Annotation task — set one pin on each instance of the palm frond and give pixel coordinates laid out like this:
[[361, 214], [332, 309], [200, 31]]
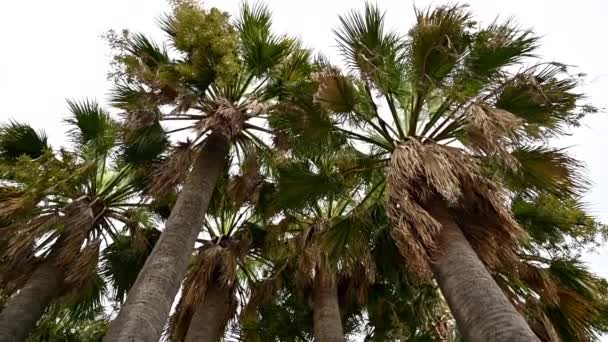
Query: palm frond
[[85, 303], [91, 126], [147, 51], [437, 41], [261, 50], [559, 225], [145, 145], [122, 260], [544, 169], [17, 139], [173, 171], [493, 48], [369, 49], [545, 98]]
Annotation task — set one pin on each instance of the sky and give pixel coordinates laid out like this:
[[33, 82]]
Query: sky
[[53, 51]]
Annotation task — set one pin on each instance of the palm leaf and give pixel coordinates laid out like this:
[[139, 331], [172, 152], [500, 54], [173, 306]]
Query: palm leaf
[[368, 48], [122, 260], [545, 169], [261, 50], [91, 126], [17, 139]]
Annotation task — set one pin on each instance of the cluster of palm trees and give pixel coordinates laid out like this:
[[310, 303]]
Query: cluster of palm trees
[[253, 191]]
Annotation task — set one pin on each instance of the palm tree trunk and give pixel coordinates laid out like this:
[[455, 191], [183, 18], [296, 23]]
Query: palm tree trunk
[[23, 311], [143, 315], [210, 317], [326, 310], [482, 311]]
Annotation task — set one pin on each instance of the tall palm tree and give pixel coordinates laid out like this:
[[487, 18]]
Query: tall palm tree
[[62, 208], [220, 272], [221, 79], [439, 104]]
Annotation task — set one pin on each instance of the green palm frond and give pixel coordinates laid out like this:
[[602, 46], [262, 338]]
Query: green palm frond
[[545, 97], [122, 260], [370, 49], [546, 169], [147, 51], [576, 317], [560, 225], [91, 126], [85, 303], [298, 185], [495, 47], [17, 139], [145, 145], [438, 39], [261, 49], [57, 326]]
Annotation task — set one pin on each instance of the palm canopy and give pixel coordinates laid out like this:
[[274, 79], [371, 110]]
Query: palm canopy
[[65, 206], [455, 111], [214, 74]]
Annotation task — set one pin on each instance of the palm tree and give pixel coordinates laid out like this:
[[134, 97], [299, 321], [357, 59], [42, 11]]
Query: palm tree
[[61, 208], [221, 270], [325, 233], [453, 97], [220, 81]]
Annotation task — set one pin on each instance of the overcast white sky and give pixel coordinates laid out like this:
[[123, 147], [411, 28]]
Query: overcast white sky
[[51, 50]]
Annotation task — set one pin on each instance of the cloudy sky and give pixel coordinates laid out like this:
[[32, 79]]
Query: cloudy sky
[[52, 50]]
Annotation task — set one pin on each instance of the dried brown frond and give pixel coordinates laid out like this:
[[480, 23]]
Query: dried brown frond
[[310, 255], [13, 275], [355, 279], [215, 265], [490, 131], [138, 118], [262, 292], [15, 205], [539, 322], [277, 245], [173, 170], [77, 224], [21, 238], [246, 187], [223, 117], [335, 92], [80, 273], [254, 108], [280, 141], [421, 174], [539, 280]]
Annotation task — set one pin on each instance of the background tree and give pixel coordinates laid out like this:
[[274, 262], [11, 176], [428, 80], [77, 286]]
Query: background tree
[[451, 97], [62, 209]]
